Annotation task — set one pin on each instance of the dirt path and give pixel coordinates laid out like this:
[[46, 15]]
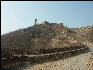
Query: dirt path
[[73, 63], [79, 62]]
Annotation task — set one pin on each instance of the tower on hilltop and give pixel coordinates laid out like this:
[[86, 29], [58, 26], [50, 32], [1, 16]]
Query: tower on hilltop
[[35, 21]]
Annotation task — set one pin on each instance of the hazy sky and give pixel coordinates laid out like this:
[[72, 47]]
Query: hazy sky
[[21, 14]]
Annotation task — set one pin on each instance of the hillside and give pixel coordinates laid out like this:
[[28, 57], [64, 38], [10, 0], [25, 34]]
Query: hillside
[[44, 35], [53, 35], [84, 34]]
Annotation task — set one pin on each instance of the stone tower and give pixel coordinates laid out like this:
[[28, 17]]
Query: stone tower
[[35, 21]]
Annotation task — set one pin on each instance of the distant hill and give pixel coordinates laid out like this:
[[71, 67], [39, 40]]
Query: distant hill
[[45, 35], [84, 33]]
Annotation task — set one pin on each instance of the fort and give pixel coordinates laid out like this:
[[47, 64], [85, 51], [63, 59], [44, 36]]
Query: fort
[[88, 27]]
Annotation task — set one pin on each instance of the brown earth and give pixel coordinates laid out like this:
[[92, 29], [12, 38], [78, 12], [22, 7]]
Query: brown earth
[[53, 35]]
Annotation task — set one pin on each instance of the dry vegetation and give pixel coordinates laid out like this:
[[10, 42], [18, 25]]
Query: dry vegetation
[[40, 36], [53, 35]]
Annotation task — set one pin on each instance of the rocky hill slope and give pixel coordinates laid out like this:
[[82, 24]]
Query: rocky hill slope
[[45, 35], [79, 62], [51, 35]]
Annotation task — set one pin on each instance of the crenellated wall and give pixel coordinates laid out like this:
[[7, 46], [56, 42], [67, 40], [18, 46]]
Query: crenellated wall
[[48, 54], [82, 27], [16, 51]]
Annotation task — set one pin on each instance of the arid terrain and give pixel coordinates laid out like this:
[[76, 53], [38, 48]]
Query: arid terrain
[[79, 62], [53, 35]]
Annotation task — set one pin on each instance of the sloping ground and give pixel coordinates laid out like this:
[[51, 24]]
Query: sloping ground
[[90, 35], [84, 34], [90, 63], [80, 62], [50, 35]]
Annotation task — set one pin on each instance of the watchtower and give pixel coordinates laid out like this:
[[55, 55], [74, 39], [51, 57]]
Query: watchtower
[[35, 21]]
